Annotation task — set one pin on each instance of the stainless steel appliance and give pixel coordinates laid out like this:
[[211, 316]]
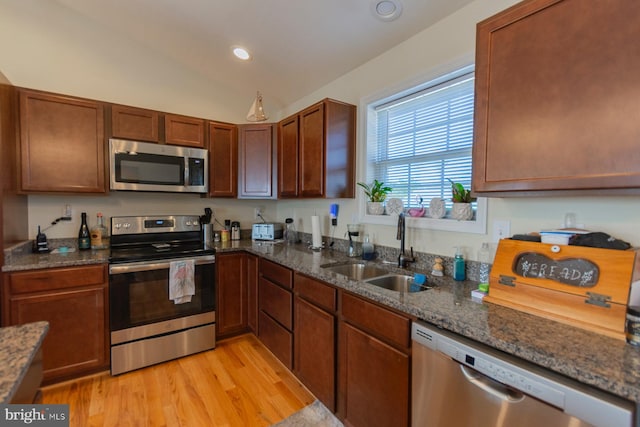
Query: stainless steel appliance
[[266, 231], [141, 166], [146, 326], [458, 382]]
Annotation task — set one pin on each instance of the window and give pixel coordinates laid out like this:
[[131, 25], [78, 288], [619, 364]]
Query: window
[[423, 137]]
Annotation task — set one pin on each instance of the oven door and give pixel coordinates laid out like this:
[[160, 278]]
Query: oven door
[[139, 293]]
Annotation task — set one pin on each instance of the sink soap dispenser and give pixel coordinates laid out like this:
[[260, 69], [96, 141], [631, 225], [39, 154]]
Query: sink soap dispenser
[[367, 248], [458, 265]]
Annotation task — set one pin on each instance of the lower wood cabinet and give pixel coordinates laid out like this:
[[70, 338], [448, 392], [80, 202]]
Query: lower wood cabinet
[[231, 292], [74, 301], [275, 310], [315, 336], [374, 365], [252, 292]]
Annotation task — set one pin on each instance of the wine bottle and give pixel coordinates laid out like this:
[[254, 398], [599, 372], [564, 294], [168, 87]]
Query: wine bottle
[[84, 238]]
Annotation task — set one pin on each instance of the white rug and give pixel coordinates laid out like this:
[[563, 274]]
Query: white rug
[[314, 415]]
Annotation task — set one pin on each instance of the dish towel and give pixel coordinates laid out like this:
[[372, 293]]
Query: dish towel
[[181, 281]]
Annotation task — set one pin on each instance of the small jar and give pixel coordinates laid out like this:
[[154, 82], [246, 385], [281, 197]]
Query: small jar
[[225, 235], [632, 326]]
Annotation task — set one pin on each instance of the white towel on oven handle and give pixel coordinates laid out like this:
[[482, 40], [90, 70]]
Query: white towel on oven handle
[[182, 281]]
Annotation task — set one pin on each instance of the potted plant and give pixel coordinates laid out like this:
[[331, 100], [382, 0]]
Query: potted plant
[[377, 193], [462, 199]]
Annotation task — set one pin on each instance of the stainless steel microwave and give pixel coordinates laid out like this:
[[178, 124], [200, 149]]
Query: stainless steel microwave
[[142, 166]]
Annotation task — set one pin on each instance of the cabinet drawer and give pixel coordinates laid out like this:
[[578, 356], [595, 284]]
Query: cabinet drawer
[[379, 321], [60, 278], [276, 273], [277, 302], [276, 338], [315, 291]]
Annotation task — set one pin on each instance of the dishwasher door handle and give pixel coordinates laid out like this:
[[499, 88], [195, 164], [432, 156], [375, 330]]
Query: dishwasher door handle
[[492, 386]]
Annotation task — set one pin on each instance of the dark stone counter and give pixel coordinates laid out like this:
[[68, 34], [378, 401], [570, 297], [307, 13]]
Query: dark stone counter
[[605, 363]]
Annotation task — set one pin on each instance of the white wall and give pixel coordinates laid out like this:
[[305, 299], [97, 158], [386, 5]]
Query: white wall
[[45, 49]]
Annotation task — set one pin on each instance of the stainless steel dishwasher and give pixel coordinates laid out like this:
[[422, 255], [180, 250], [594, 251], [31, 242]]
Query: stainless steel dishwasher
[[457, 382]]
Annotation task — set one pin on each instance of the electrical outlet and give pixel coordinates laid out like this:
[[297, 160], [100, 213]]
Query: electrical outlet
[[501, 229], [66, 211], [257, 213]]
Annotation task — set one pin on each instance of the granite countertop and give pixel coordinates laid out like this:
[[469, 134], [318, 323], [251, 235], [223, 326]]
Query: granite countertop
[[18, 346], [597, 360]]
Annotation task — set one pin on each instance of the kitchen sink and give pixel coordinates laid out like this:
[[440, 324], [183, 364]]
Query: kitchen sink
[[356, 270], [397, 282]]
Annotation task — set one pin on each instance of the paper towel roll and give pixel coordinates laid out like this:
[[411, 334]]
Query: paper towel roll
[[316, 237]]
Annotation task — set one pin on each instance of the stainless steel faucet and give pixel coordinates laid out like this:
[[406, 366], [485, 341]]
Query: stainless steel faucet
[[403, 259]]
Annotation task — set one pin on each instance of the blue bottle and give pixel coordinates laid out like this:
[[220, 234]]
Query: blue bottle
[[458, 266]]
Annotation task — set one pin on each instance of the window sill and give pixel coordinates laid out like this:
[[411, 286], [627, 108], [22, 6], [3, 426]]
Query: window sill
[[476, 226]]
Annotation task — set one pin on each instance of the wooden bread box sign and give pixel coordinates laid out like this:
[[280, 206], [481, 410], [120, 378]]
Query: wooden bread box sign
[[577, 285]]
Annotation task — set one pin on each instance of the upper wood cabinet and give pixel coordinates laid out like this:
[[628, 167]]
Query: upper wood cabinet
[[322, 140], [555, 106], [223, 160], [256, 177], [182, 130], [134, 123], [288, 157], [61, 144]]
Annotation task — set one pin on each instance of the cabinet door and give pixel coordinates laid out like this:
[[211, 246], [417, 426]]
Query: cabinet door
[[61, 144], [77, 341], [223, 160], [288, 157], [252, 292], [231, 286], [182, 130], [556, 111], [311, 146], [134, 123], [256, 161], [374, 381], [314, 351]]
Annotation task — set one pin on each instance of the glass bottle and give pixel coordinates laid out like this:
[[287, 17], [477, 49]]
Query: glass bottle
[[458, 266], [484, 257], [99, 234], [367, 248], [290, 235], [84, 238]]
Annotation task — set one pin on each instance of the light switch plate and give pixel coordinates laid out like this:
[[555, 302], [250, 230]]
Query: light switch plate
[[501, 229]]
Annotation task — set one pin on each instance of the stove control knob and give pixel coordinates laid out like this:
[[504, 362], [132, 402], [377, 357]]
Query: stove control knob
[[188, 224]]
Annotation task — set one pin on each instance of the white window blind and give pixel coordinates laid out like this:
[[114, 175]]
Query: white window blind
[[424, 138]]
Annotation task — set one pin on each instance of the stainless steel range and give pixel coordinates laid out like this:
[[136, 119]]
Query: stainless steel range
[[161, 290]]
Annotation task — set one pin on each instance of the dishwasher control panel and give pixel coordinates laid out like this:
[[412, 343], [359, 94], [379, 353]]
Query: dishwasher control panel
[[503, 372]]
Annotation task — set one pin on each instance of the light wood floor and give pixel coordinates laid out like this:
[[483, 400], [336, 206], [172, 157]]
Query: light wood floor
[[240, 383]]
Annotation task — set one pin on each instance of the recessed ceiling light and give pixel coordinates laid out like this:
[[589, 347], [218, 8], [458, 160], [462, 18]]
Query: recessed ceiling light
[[386, 10], [241, 53]]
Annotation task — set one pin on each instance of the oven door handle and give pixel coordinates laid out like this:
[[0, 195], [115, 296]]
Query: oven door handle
[[133, 267]]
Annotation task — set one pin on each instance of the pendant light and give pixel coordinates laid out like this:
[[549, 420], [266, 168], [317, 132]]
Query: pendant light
[[256, 112]]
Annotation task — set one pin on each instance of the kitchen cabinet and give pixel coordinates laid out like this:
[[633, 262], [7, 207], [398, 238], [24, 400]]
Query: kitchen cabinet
[[315, 336], [74, 301], [322, 140], [183, 130], [374, 364], [257, 172], [555, 108], [134, 123], [61, 144], [231, 294], [252, 292], [223, 160], [275, 310]]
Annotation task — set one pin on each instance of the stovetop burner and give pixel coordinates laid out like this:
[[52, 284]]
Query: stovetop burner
[[141, 238]]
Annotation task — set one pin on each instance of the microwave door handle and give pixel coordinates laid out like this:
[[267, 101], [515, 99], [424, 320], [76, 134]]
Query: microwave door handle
[[149, 266], [186, 171]]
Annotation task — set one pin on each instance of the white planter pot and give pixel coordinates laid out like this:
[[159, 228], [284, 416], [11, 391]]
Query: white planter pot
[[462, 211], [375, 208]]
